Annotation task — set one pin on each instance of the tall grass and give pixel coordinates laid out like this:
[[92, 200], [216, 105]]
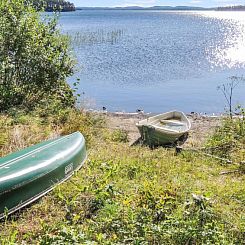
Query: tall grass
[[96, 37], [229, 140], [127, 195]]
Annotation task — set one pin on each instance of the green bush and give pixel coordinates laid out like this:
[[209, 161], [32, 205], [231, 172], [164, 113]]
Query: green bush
[[229, 139], [119, 135], [34, 58]]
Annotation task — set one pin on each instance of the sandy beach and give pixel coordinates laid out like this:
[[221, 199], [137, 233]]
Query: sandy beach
[[202, 126]]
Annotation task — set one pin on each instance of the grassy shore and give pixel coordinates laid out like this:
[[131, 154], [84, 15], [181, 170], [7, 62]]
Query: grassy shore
[[132, 194]]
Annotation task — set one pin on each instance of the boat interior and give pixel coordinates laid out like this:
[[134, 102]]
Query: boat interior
[[171, 124]]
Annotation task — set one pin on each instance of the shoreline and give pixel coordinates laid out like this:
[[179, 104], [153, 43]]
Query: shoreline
[[143, 114], [202, 127]]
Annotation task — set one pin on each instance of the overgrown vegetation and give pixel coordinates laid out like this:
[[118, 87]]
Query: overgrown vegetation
[[123, 195], [228, 141], [127, 195], [34, 59], [227, 90]]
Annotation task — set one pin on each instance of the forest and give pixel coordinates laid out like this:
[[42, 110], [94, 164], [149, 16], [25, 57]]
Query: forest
[[54, 5], [232, 8]]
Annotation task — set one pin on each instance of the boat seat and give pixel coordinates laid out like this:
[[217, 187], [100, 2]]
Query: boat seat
[[167, 129], [171, 122]]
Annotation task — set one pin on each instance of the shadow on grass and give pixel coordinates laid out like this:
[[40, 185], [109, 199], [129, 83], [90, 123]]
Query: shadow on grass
[[18, 214], [177, 144]]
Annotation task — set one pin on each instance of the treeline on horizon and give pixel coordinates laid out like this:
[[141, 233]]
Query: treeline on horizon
[[232, 8], [65, 6], [54, 5], [228, 8]]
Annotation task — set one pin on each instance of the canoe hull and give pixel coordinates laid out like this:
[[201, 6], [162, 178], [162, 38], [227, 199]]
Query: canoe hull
[[58, 160], [155, 135]]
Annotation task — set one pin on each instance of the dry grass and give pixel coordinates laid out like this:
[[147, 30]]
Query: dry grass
[[125, 194]]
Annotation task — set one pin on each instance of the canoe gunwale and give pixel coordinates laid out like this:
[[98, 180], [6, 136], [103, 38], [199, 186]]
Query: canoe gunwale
[[36, 170], [4, 165], [23, 157], [33, 199]]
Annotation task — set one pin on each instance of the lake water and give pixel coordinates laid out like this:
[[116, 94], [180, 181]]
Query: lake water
[[156, 60]]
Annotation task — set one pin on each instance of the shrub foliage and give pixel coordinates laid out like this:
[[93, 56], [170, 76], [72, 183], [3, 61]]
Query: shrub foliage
[[34, 58], [228, 140]]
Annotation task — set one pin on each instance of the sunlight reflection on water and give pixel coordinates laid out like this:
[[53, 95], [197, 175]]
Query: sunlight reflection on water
[[234, 54], [157, 60]]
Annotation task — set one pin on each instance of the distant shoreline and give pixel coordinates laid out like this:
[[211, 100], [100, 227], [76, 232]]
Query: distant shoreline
[[167, 8], [141, 8]]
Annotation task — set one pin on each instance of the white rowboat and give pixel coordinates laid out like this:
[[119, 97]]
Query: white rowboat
[[165, 128]]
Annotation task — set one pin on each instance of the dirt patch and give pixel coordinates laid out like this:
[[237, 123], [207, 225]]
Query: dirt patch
[[202, 126]]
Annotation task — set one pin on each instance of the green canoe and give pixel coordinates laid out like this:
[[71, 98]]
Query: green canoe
[[162, 129], [30, 173]]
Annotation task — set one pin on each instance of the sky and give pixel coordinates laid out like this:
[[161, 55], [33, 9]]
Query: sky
[[147, 3]]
